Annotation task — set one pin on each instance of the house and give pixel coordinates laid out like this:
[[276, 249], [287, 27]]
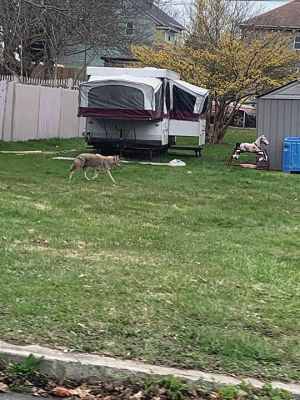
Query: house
[[148, 24], [284, 19]]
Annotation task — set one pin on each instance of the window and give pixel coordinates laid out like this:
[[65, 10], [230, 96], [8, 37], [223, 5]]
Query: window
[[116, 97], [170, 37], [297, 43], [129, 28], [183, 101]]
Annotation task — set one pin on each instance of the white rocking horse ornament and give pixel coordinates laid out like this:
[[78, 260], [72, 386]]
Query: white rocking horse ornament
[[254, 147]]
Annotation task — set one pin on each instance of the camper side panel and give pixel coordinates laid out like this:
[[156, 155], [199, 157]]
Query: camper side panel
[[127, 131], [188, 128]]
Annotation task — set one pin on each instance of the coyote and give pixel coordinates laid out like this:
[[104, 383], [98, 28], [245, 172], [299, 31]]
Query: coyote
[[97, 161]]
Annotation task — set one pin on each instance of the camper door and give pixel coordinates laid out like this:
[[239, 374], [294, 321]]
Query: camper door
[[187, 105]]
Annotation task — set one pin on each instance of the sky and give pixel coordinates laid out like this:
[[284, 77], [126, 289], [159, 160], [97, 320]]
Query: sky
[[269, 5], [181, 6]]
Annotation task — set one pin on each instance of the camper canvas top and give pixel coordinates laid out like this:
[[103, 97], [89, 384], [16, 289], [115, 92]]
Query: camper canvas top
[[119, 93], [195, 90], [141, 72], [124, 79], [121, 97]]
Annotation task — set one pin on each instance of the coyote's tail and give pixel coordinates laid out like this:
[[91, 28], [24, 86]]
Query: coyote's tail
[[75, 165]]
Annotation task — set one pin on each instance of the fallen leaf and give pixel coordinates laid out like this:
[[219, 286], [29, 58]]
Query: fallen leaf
[[82, 393], [40, 393], [241, 394], [4, 388], [214, 396], [61, 391], [162, 391], [136, 396]]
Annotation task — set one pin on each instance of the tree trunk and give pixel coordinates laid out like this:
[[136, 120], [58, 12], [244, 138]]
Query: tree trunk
[[9, 60], [216, 133], [217, 129]]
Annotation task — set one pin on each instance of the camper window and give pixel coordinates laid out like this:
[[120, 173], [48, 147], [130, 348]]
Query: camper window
[[116, 97], [182, 100], [168, 97]]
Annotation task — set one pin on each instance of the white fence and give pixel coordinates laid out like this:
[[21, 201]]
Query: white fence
[[38, 112], [64, 83]]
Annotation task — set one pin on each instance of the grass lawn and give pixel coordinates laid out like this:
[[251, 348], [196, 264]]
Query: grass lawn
[[195, 266]]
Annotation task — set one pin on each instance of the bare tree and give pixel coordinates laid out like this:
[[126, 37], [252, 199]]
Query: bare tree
[[211, 20], [42, 31], [171, 7], [14, 29]]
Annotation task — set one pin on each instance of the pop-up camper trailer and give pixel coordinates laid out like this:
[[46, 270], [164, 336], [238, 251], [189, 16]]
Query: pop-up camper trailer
[[135, 107]]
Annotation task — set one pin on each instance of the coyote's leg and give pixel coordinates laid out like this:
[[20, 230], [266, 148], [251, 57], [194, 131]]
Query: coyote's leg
[[71, 174], [85, 172], [110, 175], [74, 168], [96, 174]]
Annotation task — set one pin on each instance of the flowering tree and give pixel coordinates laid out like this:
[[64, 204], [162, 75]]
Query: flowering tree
[[231, 67]]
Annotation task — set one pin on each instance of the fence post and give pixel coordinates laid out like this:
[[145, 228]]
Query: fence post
[[70, 83], [3, 97]]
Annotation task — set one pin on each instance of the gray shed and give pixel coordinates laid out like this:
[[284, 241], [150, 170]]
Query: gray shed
[[278, 116]]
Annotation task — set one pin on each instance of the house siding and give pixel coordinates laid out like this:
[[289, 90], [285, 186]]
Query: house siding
[[148, 27], [144, 33], [284, 19]]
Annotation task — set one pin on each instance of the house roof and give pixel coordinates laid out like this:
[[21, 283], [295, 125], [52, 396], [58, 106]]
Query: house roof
[[286, 16], [290, 91], [160, 18]]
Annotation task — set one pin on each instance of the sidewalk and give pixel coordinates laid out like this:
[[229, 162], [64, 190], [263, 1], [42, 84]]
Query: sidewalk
[[91, 367]]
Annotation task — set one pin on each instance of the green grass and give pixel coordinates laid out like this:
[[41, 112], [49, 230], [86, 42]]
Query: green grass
[[195, 266]]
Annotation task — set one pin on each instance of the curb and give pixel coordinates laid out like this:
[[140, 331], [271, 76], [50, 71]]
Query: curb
[[90, 367]]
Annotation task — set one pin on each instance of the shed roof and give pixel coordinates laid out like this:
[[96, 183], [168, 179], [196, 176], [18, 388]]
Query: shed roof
[[289, 91], [286, 16]]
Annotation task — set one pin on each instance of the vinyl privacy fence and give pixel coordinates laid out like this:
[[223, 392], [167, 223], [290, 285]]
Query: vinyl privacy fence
[[38, 112]]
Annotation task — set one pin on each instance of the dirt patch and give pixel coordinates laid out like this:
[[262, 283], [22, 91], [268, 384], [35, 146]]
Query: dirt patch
[[106, 255], [42, 206]]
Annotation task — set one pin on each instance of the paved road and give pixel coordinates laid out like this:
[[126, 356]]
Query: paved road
[[17, 396]]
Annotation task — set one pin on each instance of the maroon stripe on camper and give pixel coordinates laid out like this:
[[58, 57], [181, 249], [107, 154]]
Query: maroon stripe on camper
[[183, 115], [118, 114]]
